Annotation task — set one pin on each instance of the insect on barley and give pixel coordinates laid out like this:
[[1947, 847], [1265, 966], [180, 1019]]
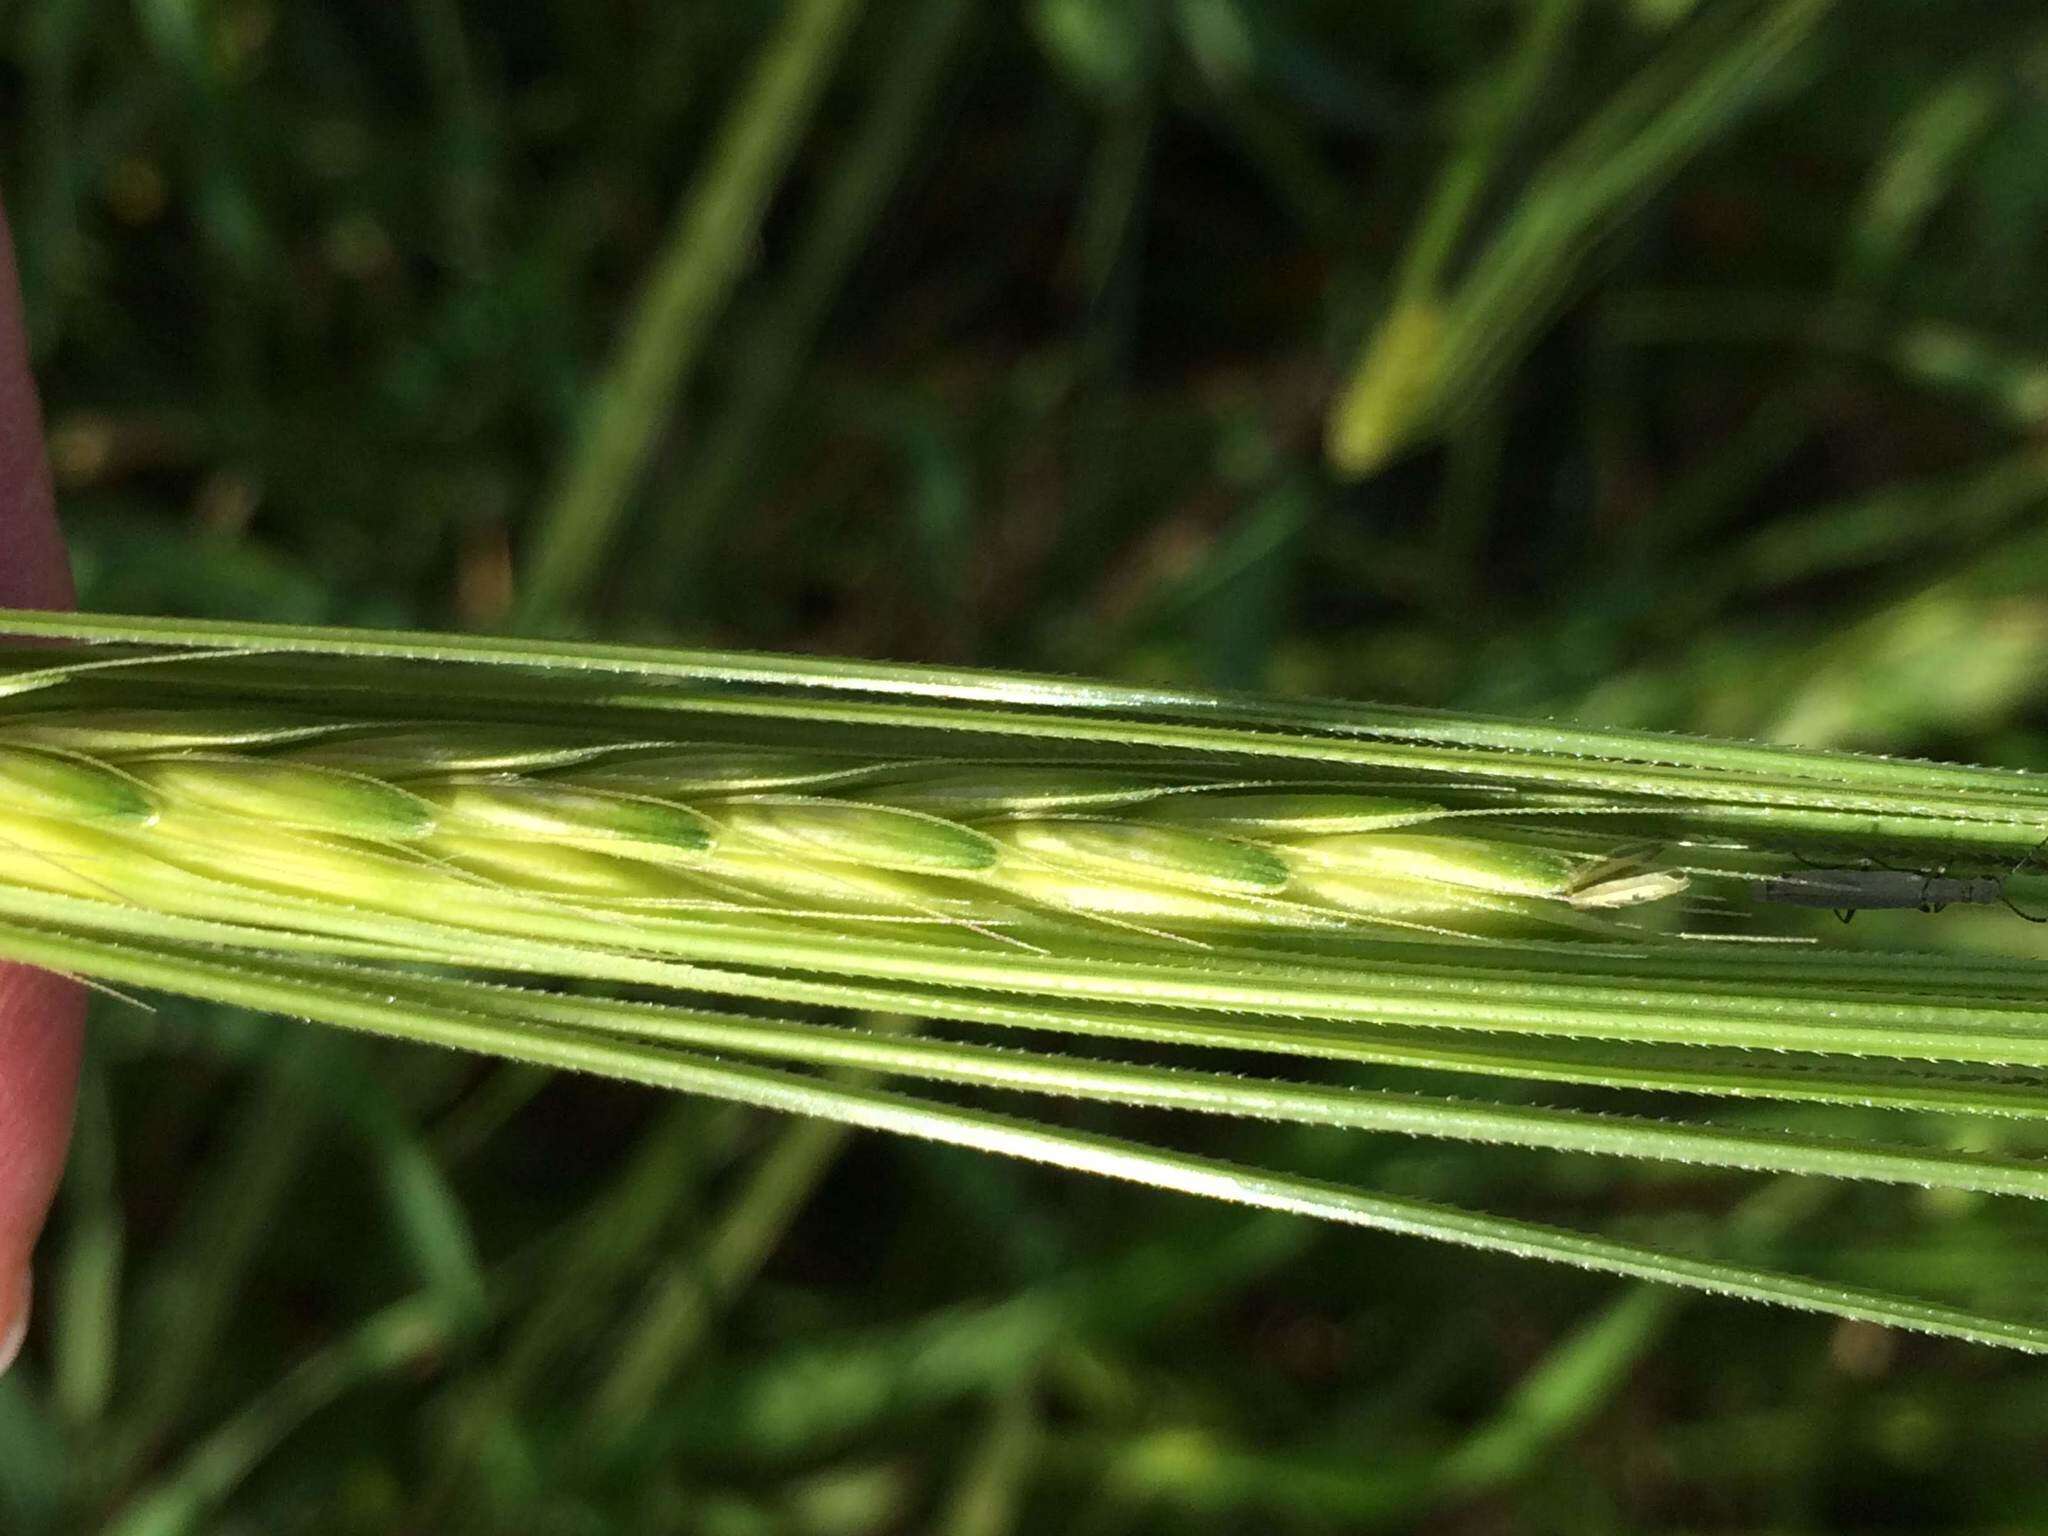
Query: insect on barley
[[1845, 892]]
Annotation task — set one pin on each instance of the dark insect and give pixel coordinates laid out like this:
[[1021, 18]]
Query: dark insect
[[1845, 892]]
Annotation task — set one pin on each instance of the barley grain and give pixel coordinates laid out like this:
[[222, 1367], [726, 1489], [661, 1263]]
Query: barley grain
[[470, 814]]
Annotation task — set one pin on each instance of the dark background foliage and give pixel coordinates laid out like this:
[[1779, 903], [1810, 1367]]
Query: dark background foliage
[[1699, 352]]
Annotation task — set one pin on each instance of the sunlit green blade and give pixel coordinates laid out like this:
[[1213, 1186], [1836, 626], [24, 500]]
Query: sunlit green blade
[[280, 987]]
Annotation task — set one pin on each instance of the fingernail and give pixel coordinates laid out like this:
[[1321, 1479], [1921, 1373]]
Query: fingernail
[[16, 1333]]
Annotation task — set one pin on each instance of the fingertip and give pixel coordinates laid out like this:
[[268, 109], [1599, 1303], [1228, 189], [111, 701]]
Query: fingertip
[[41, 1016], [41, 1032], [15, 1305]]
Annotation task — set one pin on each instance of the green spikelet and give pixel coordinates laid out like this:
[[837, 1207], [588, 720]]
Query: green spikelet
[[72, 788], [1280, 813], [872, 836], [293, 795], [564, 813], [1173, 856]]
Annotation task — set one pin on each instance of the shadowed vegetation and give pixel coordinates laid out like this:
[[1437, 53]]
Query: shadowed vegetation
[[1646, 363]]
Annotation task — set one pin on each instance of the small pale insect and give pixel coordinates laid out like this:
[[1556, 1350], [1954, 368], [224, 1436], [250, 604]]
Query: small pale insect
[[1845, 892]]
